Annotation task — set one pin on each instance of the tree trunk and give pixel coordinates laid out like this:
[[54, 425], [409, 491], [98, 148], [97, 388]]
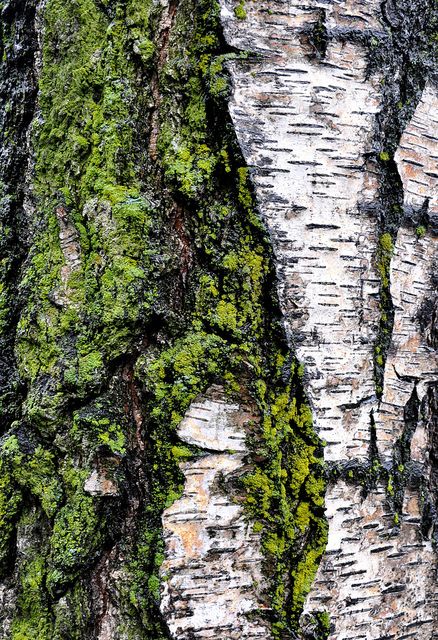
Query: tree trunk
[[218, 314]]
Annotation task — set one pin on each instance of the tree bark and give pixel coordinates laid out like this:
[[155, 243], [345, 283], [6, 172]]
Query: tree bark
[[218, 319]]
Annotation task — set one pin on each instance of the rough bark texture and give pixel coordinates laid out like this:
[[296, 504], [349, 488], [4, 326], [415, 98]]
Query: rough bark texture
[[218, 319], [213, 567], [314, 142]]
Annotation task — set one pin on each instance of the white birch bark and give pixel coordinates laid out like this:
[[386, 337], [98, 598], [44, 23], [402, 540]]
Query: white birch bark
[[306, 124], [212, 573]]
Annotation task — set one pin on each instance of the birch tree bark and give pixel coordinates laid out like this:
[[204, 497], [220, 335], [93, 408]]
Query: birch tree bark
[[218, 319]]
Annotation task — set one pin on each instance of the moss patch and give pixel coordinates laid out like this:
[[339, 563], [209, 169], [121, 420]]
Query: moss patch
[[147, 281]]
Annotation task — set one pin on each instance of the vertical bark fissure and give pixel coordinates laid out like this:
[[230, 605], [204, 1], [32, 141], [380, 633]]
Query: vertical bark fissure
[[18, 95]]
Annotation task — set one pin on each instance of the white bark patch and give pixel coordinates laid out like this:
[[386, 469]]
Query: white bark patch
[[305, 125], [377, 581], [98, 484], [8, 599], [210, 424], [71, 250], [417, 155], [270, 25], [211, 576]]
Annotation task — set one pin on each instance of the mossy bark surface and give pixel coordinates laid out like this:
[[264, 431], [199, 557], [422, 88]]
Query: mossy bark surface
[[149, 318]]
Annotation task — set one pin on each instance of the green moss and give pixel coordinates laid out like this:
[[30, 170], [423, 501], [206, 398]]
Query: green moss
[[143, 580], [386, 244], [38, 473], [385, 252], [73, 614], [82, 320], [10, 501], [390, 486], [86, 179], [181, 452], [320, 624], [384, 255], [384, 156], [175, 378], [89, 366], [420, 231], [286, 494], [226, 313], [239, 10], [304, 574], [114, 438], [78, 531], [32, 619], [102, 423], [34, 472]]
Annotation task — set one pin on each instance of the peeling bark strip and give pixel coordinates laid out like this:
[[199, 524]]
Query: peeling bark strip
[[305, 118], [379, 577], [311, 124], [411, 360], [213, 568], [417, 155]]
